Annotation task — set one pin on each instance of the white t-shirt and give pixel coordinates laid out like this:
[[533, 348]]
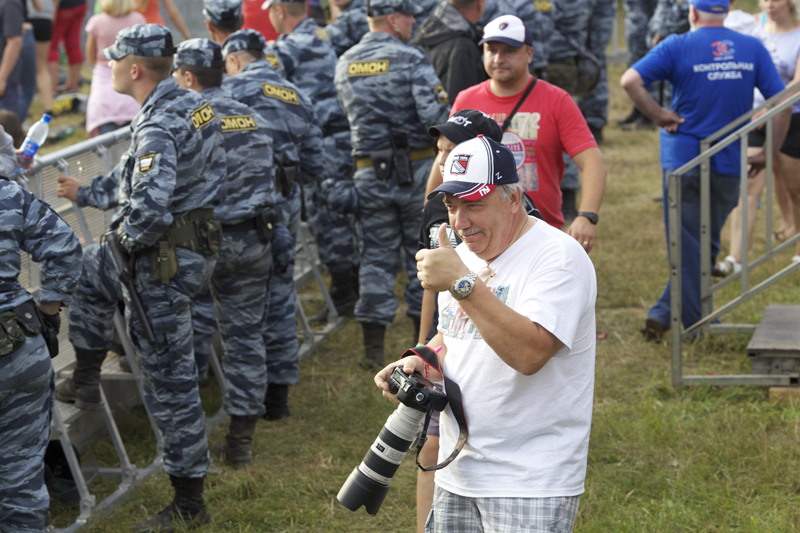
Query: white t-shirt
[[528, 435]]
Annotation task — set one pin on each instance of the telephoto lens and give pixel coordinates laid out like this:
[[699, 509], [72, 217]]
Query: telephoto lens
[[368, 484]]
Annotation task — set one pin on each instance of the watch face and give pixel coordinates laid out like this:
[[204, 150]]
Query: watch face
[[463, 286]]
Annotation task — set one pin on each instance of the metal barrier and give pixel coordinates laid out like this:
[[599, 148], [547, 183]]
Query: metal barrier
[[771, 107], [84, 161]]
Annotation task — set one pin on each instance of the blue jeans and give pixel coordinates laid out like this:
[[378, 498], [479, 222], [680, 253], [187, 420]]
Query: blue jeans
[[27, 79], [724, 197]]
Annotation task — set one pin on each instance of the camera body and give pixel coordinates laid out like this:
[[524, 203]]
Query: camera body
[[368, 484], [415, 391]]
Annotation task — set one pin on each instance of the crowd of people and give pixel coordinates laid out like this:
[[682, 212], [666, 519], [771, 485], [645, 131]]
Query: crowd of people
[[453, 134]]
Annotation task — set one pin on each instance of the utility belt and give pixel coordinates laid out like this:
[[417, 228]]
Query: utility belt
[[396, 159], [262, 223], [197, 231], [27, 320], [327, 131]]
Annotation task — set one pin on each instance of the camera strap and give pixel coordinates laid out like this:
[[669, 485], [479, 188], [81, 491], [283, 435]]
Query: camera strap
[[507, 121], [454, 400]]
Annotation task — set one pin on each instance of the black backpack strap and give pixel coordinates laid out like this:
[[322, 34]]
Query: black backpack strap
[[453, 391], [507, 121]]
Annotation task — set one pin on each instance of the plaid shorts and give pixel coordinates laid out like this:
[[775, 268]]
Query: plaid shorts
[[452, 512]]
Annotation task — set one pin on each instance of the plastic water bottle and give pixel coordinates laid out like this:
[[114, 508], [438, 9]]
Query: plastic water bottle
[[35, 138]]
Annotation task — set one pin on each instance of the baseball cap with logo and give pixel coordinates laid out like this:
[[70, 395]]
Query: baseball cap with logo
[[475, 168], [378, 8], [199, 53], [243, 40], [145, 40], [711, 6], [467, 124], [507, 29], [223, 13]]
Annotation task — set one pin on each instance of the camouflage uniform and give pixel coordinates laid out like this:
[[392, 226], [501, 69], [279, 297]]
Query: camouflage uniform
[[26, 375], [239, 283], [388, 89], [175, 165], [539, 17], [637, 16], [349, 27], [299, 143], [310, 63], [594, 106]]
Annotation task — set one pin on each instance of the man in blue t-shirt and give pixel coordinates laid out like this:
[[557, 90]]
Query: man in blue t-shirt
[[713, 71]]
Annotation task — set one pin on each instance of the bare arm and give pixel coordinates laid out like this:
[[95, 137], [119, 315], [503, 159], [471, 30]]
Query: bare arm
[[522, 344], [10, 57], [634, 85], [175, 17], [426, 319], [593, 186], [91, 49]]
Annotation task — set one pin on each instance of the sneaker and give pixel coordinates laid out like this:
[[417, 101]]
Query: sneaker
[[727, 267]]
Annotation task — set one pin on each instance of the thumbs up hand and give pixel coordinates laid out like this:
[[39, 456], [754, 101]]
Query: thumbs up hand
[[438, 269]]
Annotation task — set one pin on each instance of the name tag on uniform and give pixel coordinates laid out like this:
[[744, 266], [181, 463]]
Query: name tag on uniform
[[202, 116], [280, 93], [367, 68], [233, 123]]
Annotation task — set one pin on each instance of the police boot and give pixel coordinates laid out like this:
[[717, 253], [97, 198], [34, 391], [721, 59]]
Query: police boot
[[187, 510], [373, 345], [634, 114], [276, 402], [236, 451], [83, 389], [344, 293]]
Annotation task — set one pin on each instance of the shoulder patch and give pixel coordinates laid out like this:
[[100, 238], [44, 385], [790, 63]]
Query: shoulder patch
[[233, 123], [322, 33], [280, 93], [543, 6], [202, 116], [147, 162], [273, 60], [441, 94], [367, 68]]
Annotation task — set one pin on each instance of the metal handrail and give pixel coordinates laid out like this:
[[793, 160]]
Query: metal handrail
[[773, 106]]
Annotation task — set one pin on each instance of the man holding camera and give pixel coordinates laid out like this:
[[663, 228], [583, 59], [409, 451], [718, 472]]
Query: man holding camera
[[517, 327]]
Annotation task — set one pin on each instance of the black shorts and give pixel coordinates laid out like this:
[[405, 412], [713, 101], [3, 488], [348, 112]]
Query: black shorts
[[42, 29], [791, 146]]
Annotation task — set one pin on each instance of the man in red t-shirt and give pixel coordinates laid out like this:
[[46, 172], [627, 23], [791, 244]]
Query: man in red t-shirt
[[547, 124]]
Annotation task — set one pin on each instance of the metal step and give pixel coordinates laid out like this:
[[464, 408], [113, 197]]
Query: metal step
[[778, 334]]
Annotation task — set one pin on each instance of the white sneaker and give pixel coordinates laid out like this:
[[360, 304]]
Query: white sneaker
[[728, 267]]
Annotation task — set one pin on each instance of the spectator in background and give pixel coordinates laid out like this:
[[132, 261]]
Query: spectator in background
[[450, 36], [40, 15], [547, 124], [257, 19], [12, 126], [11, 137], [107, 109], [12, 15], [152, 14], [67, 29], [706, 99], [350, 26], [27, 61]]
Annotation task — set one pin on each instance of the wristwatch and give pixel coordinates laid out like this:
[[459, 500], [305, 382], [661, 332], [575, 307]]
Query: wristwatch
[[464, 285], [593, 218]]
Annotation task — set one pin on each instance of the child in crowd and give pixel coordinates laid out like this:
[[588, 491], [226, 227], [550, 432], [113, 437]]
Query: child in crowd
[[106, 109], [11, 137]]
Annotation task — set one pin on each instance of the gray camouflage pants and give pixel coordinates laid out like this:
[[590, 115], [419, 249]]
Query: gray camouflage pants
[[27, 391], [388, 219]]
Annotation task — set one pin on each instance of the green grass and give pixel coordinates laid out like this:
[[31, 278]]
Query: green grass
[[661, 459]]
